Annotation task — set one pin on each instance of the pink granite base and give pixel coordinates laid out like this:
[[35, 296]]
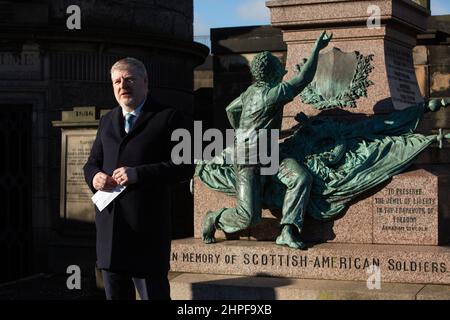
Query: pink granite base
[[397, 263], [417, 212], [268, 229], [353, 227], [406, 210]]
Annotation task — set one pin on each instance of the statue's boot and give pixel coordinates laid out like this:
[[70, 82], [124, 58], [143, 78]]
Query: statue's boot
[[290, 237], [209, 226]]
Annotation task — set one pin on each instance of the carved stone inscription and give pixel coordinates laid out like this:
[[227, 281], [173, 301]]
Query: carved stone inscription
[[78, 204], [402, 78], [397, 263], [406, 215]]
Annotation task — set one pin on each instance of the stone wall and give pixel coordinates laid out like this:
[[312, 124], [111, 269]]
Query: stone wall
[[51, 68]]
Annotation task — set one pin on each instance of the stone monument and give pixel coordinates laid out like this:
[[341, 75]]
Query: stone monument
[[402, 227], [78, 131]]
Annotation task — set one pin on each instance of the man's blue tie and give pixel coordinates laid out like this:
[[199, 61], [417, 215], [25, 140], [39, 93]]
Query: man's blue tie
[[129, 119]]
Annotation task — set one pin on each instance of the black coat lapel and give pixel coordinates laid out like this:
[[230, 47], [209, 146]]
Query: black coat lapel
[[118, 122]]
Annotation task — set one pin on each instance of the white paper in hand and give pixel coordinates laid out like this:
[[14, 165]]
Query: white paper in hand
[[103, 198]]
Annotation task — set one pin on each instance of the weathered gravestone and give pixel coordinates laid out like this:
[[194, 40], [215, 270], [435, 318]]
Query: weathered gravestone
[[78, 130]]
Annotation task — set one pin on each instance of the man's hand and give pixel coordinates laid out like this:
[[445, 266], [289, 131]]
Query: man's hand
[[323, 40], [103, 182], [125, 175]]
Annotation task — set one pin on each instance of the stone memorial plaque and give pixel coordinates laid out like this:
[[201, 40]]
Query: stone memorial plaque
[[79, 114], [407, 213], [76, 196], [402, 77], [396, 263]]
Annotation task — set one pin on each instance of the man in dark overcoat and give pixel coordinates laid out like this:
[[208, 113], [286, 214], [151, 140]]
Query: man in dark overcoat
[[133, 149]]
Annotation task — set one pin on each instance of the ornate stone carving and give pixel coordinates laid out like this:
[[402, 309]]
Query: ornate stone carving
[[340, 80]]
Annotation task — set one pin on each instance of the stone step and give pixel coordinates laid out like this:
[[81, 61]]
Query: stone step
[[328, 261], [195, 286], [412, 208]]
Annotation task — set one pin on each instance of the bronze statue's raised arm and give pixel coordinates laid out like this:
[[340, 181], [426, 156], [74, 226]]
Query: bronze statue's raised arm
[[286, 91], [306, 75]]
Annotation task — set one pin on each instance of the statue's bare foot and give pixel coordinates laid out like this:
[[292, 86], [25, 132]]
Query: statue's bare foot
[[290, 237], [209, 228]]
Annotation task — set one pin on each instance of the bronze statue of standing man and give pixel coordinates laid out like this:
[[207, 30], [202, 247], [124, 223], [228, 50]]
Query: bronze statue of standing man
[[261, 107]]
